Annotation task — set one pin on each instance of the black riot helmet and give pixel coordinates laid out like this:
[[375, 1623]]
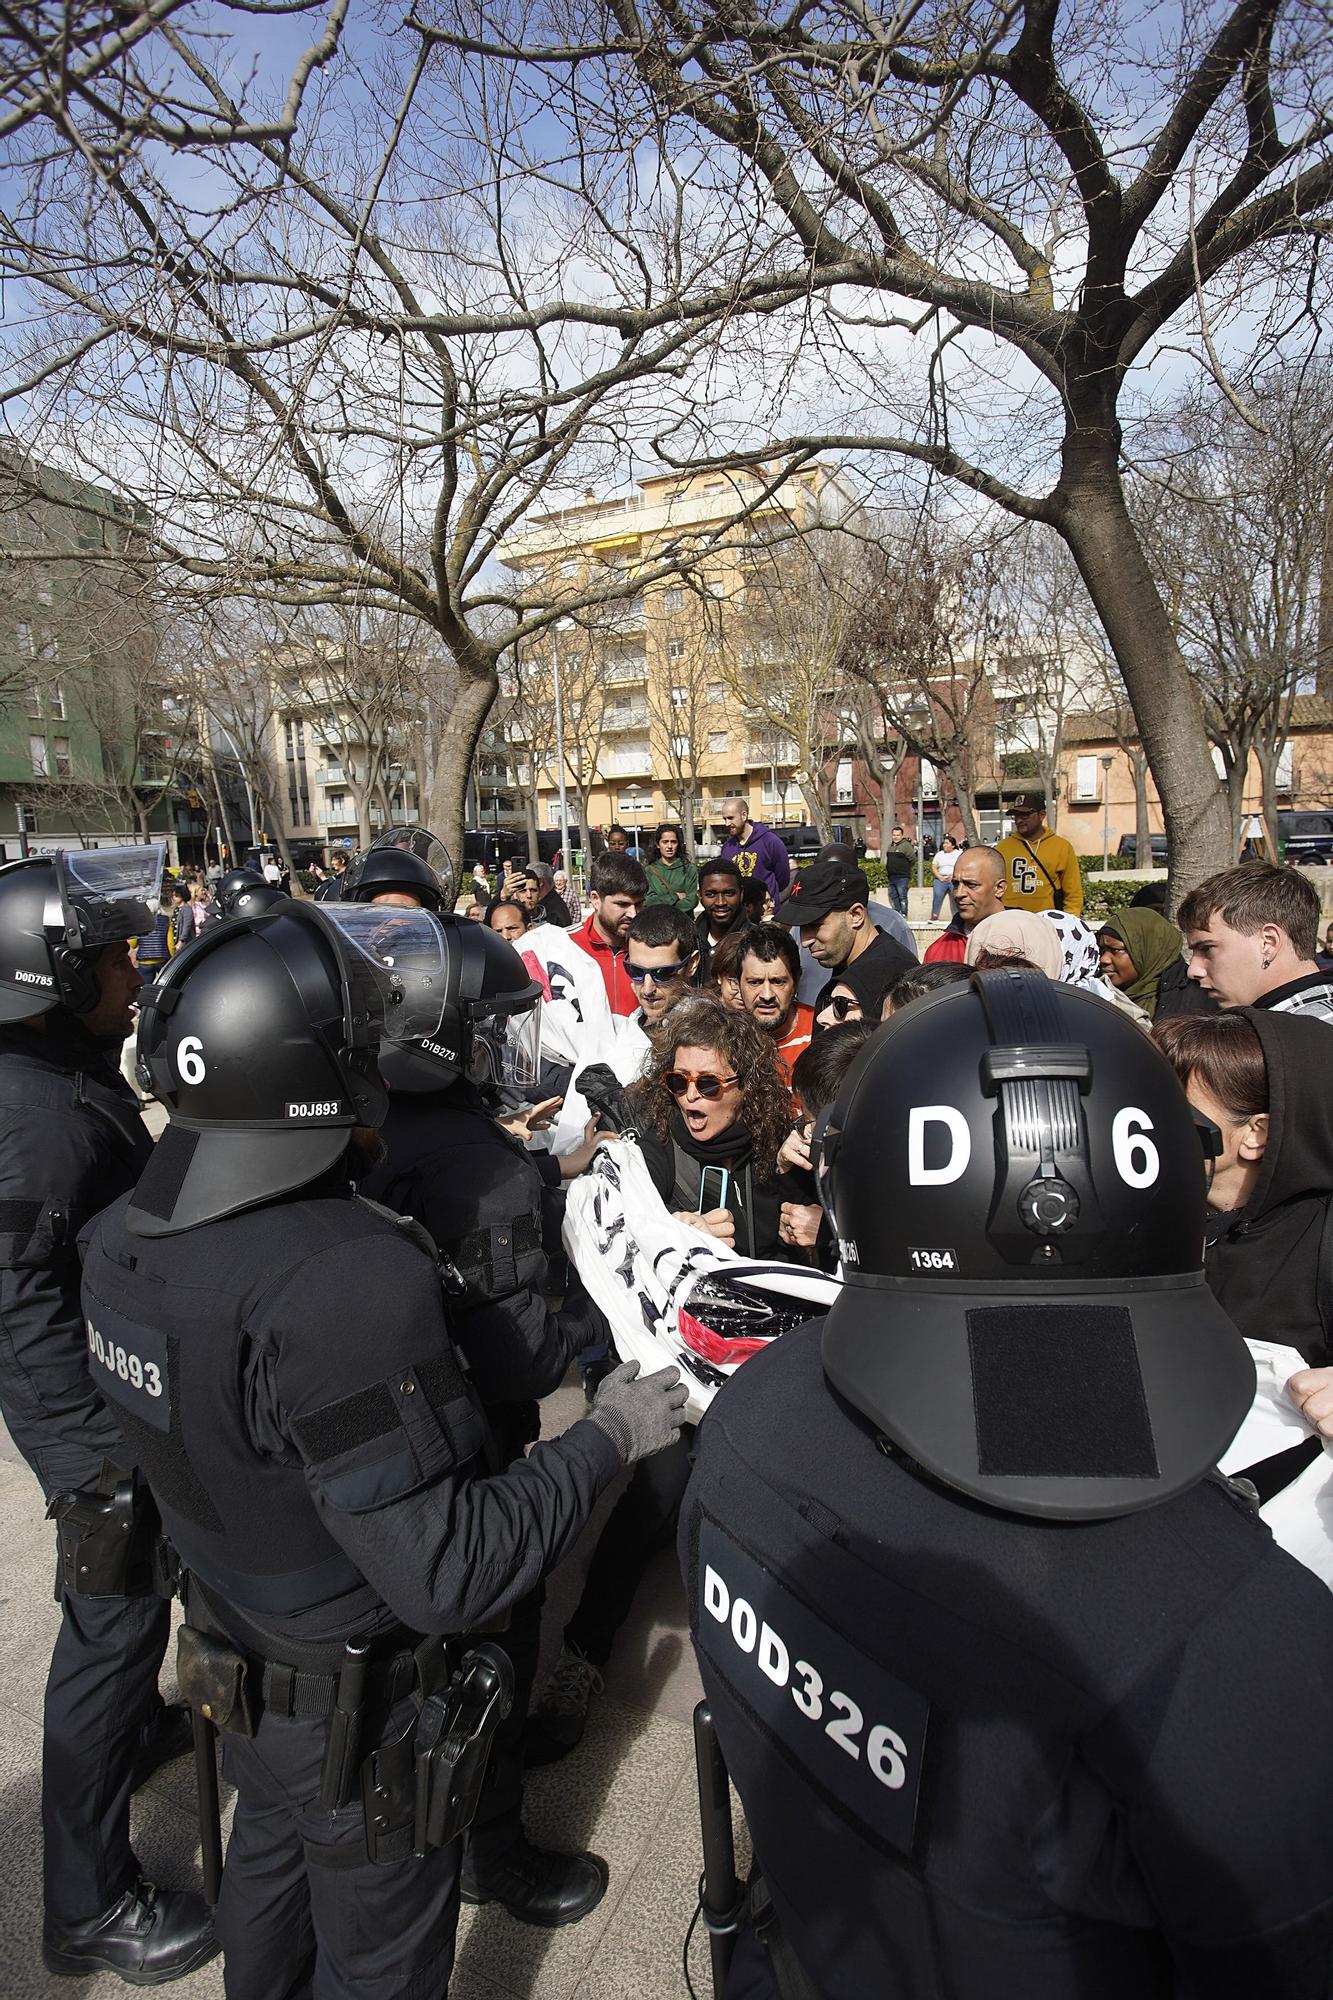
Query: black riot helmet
[[56, 914], [1015, 1179], [243, 892], [261, 1040], [403, 861], [472, 1007]]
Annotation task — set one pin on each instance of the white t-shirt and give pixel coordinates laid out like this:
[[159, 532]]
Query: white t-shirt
[[943, 865]]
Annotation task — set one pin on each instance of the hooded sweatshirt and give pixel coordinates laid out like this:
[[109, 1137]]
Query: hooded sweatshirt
[[1262, 1260]]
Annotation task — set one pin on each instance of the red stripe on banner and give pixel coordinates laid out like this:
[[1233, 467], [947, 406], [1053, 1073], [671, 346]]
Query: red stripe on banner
[[714, 1347]]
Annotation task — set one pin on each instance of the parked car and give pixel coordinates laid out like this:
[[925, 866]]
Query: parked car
[[803, 841], [1128, 849], [1305, 838], [492, 845]]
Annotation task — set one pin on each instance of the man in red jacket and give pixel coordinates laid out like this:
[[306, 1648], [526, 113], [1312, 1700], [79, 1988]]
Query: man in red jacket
[[617, 887], [978, 889]]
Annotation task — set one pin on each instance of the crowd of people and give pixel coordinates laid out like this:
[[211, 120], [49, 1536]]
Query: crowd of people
[[399, 1089]]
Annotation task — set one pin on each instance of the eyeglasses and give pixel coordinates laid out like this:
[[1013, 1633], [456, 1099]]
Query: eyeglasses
[[659, 974], [841, 1005], [678, 1081]]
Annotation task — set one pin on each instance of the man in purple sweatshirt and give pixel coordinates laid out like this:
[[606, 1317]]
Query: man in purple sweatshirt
[[756, 849]]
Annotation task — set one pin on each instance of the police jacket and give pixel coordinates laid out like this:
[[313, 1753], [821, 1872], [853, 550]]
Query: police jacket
[[71, 1140], [984, 1756], [478, 1193], [291, 1395]]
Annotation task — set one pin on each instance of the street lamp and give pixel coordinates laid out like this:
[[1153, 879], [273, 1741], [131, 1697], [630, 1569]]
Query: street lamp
[[1106, 763], [565, 856]]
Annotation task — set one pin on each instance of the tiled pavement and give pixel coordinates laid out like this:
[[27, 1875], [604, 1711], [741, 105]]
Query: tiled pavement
[[628, 1792]]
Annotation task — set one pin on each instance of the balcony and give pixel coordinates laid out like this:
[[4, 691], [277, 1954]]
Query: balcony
[[778, 750], [331, 774], [626, 715], [628, 764], [627, 616], [625, 672]]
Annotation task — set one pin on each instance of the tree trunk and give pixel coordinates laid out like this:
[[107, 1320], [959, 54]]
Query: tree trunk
[[965, 802], [454, 747], [1094, 521]]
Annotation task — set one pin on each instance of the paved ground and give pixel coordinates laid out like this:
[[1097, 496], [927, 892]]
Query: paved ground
[[628, 1793]]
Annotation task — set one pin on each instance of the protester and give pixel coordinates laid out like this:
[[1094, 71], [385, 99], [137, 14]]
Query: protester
[[672, 876], [1263, 1078], [725, 967], [1013, 934], [1041, 868], [892, 922], [756, 901], [616, 889], [569, 895], [941, 869], [757, 851], [831, 903], [978, 884], [508, 918], [546, 904], [475, 911], [617, 840], [714, 1114], [661, 961], [331, 888], [770, 966], [816, 1078], [481, 882], [899, 863], [723, 910], [1081, 962], [182, 920], [857, 994], [1142, 956], [1252, 932]]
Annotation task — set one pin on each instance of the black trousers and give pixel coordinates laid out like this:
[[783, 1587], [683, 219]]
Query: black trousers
[[101, 1695], [498, 1823], [304, 1915], [642, 1522]]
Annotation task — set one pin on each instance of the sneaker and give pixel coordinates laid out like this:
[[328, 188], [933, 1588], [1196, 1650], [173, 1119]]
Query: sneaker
[[557, 1723]]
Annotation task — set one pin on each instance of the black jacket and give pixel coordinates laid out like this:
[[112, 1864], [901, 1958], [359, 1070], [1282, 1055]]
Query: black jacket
[[755, 1205], [876, 969], [1177, 993], [1263, 1261], [553, 909], [478, 1193], [984, 1757], [305, 1430], [71, 1140]]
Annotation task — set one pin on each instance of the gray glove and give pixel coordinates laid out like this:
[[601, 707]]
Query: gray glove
[[640, 1414]]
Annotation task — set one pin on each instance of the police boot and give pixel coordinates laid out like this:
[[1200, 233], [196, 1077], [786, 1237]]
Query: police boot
[[536, 1885], [147, 1938]]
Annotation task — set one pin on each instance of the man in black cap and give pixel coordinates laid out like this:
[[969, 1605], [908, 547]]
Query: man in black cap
[[830, 904], [989, 1647]]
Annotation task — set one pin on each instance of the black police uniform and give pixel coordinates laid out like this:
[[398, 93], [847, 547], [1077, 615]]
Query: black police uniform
[[309, 1440], [71, 1140], [478, 1193], [984, 1755]]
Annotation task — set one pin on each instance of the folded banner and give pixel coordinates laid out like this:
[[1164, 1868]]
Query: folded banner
[[1301, 1515], [671, 1294]]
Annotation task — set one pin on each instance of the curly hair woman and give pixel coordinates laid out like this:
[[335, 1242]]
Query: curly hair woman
[[713, 1099]]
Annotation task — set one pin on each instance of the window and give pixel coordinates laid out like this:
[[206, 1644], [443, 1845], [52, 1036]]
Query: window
[[23, 639], [843, 794], [673, 599], [55, 696], [37, 756], [633, 802], [675, 649], [337, 804], [717, 742], [34, 700], [716, 692], [680, 746], [569, 568], [1085, 781], [930, 782], [60, 747], [553, 812], [1284, 777], [679, 697]]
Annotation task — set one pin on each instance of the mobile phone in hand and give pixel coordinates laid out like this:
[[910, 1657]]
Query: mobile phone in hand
[[713, 1180]]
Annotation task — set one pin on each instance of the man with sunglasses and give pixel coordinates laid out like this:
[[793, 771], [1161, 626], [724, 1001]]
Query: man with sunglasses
[[661, 961], [831, 906]]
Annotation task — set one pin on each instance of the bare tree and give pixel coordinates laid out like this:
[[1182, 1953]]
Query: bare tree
[[999, 208]]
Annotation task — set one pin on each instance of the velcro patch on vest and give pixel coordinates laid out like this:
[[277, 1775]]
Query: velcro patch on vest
[[857, 1735], [128, 1364]]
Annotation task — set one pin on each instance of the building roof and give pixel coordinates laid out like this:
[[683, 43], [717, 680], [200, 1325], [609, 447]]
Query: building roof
[[1308, 712]]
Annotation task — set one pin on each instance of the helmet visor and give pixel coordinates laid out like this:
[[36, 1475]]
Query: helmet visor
[[406, 954], [109, 893], [506, 1040], [427, 847]]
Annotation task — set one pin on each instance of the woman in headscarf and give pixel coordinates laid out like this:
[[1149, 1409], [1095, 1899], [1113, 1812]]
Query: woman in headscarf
[[1015, 934], [1141, 956]]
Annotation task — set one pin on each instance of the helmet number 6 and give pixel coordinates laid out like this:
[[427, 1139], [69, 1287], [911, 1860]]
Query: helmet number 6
[[1136, 1157], [190, 1061]]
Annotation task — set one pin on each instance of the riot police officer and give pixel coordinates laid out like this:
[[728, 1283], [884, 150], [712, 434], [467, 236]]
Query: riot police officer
[[243, 892], [478, 1192], [71, 1140], [405, 865], [1019, 1696], [275, 1351]]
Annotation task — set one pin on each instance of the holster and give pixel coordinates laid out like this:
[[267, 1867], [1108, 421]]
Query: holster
[[217, 1681], [421, 1791], [106, 1538]]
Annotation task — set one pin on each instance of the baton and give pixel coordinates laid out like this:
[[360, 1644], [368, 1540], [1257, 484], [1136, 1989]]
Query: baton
[[210, 1811], [721, 1897]]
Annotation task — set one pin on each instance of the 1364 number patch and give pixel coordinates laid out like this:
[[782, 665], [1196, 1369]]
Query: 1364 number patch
[[933, 1260], [859, 1733]]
